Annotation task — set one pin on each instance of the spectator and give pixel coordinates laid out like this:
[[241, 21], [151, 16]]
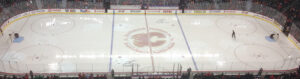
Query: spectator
[[31, 74], [26, 76], [272, 77], [91, 76]]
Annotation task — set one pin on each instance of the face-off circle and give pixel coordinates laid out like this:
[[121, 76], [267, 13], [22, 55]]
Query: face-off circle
[[35, 57], [40, 54], [141, 41], [257, 56]]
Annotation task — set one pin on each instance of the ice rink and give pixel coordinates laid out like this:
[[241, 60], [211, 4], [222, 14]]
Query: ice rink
[[148, 43]]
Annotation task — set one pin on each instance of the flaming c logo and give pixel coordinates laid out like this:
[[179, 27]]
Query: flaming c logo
[[141, 41]]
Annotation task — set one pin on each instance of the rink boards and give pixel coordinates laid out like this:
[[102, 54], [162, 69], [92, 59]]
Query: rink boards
[[172, 40]]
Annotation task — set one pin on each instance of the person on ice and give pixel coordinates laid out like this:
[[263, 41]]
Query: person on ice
[[233, 34], [1, 31], [274, 36]]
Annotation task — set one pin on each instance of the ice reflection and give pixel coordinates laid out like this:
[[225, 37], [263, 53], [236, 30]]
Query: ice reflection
[[91, 56], [50, 23], [91, 19], [221, 63], [53, 66]]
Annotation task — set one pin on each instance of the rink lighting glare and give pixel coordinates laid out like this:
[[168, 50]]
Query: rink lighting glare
[[220, 63], [53, 66], [66, 56], [65, 23], [289, 56], [93, 19], [207, 55], [51, 22], [196, 23], [87, 56], [126, 19], [93, 56], [174, 18], [137, 56]]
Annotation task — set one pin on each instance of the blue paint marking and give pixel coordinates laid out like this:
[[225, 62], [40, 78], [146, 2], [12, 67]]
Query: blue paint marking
[[270, 39], [112, 40], [187, 44], [18, 40]]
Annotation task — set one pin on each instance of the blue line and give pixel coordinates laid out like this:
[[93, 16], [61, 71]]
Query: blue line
[[112, 40], [187, 44]]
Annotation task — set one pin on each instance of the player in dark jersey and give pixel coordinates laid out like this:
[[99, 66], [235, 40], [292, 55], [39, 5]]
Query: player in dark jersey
[[233, 34]]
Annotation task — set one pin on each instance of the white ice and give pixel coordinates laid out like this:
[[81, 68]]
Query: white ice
[[152, 43]]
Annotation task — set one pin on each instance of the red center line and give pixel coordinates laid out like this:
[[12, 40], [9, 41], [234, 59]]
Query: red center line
[[150, 46]]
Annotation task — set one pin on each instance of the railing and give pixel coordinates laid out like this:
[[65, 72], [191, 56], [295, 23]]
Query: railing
[[126, 2], [220, 67], [166, 3]]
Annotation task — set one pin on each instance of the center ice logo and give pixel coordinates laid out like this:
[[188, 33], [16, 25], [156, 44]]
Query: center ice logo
[[156, 40]]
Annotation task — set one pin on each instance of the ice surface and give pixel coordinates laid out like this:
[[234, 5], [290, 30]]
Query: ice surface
[[151, 43]]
